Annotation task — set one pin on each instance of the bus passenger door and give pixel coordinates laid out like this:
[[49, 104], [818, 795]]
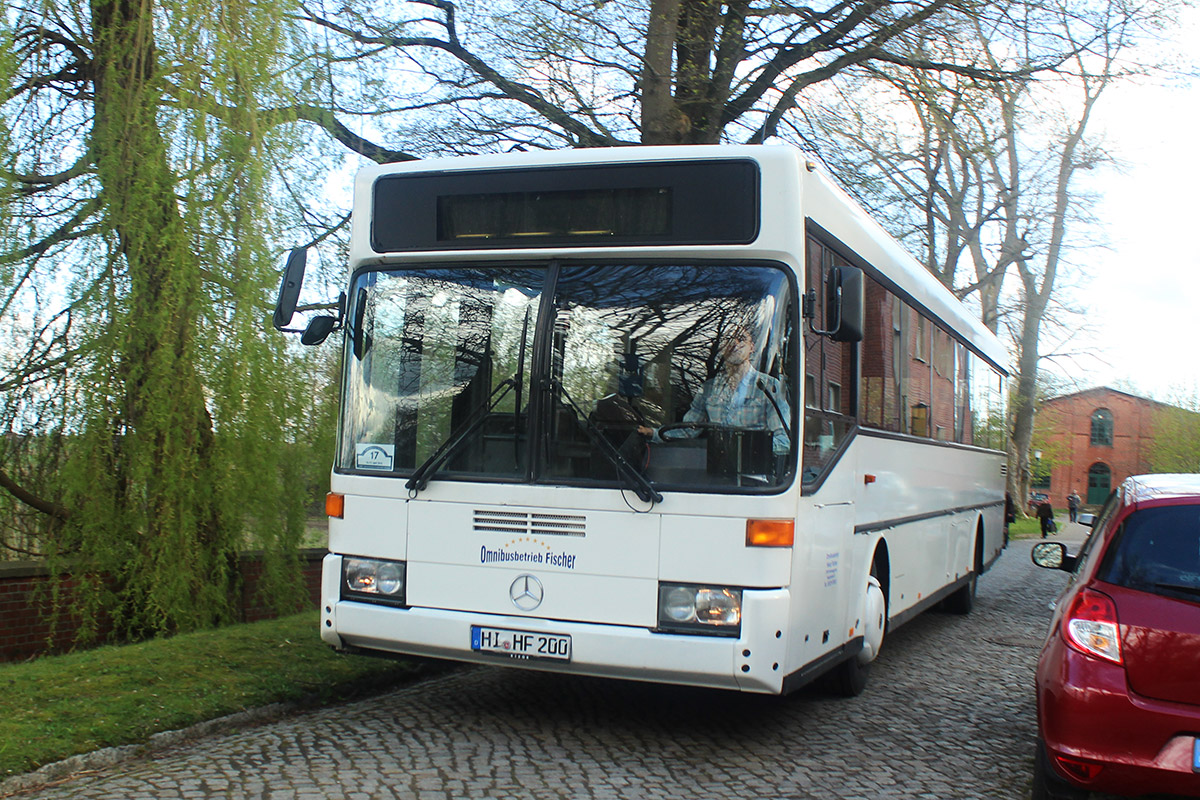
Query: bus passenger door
[[834, 566], [838, 561]]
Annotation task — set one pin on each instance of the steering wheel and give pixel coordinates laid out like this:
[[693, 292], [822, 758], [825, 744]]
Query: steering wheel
[[699, 427]]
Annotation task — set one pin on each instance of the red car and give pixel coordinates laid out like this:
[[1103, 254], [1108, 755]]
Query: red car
[[1118, 680]]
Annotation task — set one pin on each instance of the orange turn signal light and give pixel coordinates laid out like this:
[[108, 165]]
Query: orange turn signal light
[[335, 505], [770, 532]]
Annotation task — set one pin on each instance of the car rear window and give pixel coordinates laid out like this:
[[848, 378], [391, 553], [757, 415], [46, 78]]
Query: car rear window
[[1157, 550]]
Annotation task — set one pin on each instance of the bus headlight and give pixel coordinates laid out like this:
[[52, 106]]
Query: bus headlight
[[373, 580], [688, 608]]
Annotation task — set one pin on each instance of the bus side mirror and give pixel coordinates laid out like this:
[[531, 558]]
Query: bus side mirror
[[289, 288], [849, 293], [318, 329], [845, 301]]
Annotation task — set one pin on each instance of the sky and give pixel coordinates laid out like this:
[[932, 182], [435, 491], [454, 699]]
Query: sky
[[1141, 291]]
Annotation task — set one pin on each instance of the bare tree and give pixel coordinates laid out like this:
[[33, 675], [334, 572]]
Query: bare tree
[[984, 173], [549, 73], [1039, 223]]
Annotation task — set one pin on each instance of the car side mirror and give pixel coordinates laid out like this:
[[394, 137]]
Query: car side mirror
[[1052, 555]]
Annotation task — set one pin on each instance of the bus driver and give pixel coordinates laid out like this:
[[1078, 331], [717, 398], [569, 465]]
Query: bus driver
[[739, 396]]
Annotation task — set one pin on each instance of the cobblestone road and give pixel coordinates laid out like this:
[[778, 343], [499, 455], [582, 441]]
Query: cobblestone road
[[948, 713]]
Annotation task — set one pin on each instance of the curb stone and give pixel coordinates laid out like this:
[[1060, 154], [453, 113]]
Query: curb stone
[[111, 756], [68, 768]]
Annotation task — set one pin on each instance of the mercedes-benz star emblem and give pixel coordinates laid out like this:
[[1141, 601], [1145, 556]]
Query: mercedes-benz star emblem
[[526, 592]]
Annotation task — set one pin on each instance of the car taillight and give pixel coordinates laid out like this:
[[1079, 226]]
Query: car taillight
[[1090, 626]]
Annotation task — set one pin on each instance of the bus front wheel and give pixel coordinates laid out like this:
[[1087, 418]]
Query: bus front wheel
[[850, 677]]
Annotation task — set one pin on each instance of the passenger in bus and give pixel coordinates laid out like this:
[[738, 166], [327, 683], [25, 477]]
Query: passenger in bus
[[740, 396]]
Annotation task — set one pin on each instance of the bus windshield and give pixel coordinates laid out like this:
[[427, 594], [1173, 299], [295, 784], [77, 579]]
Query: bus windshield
[[679, 373]]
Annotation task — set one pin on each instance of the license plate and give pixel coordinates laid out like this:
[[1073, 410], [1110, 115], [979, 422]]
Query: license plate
[[521, 644]]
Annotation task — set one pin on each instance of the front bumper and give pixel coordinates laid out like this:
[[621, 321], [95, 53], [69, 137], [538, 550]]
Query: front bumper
[[753, 662]]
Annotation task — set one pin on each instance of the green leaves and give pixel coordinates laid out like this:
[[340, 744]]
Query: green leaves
[[178, 417]]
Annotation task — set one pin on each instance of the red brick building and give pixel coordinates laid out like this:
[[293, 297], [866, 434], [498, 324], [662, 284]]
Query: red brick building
[[1095, 439]]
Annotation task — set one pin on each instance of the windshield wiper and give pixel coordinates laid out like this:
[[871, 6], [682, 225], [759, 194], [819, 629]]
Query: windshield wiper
[[634, 480], [425, 472]]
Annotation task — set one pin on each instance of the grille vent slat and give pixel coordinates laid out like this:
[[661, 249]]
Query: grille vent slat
[[520, 522]]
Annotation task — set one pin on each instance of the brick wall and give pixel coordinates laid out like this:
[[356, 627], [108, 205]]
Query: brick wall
[[23, 630], [25, 618]]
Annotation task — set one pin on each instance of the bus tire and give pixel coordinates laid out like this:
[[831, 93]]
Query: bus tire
[[850, 677], [963, 599]]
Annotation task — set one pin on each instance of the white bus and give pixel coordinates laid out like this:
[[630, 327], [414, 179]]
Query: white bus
[[683, 415]]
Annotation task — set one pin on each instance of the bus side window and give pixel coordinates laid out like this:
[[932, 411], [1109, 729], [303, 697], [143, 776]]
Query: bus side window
[[830, 372], [882, 368]]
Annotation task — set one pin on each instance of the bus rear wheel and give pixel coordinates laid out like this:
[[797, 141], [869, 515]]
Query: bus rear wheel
[[963, 598]]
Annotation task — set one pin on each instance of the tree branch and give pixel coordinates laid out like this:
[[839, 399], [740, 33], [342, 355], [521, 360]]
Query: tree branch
[[64, 233], [512, 90], [830, 39], [31, 184], [325, 119], [33, 501]]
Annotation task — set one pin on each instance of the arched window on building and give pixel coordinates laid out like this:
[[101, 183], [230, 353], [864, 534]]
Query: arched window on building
[[1099, 483], [1102, 427]]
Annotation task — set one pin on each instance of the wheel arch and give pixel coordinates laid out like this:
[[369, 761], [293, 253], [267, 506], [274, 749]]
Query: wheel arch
[[881, 567], [977, 562]]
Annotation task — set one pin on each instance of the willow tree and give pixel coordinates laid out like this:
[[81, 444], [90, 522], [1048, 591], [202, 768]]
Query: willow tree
[[137, 262]]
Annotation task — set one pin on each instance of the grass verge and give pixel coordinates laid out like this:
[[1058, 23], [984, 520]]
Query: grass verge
[[58, 706], [1025, 528], [1031, 527]]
